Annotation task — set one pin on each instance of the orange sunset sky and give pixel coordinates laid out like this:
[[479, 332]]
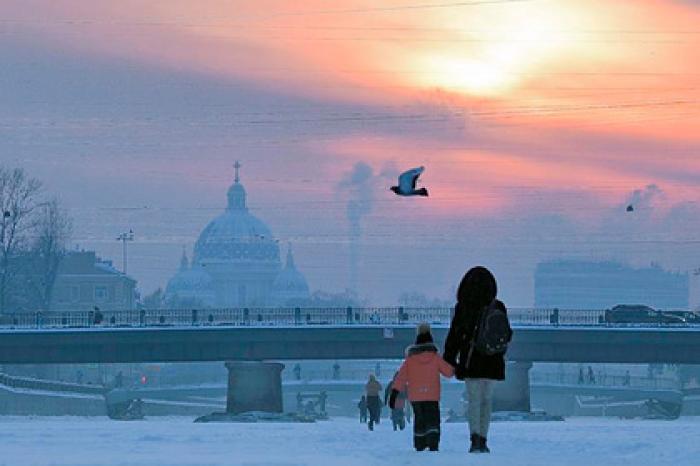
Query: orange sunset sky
[[537, 120]]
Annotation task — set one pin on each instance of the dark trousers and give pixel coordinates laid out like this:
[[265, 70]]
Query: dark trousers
[[397, 419], [426, 425], [374, 407]]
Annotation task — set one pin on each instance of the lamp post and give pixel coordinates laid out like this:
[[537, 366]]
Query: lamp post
[[124, 238]]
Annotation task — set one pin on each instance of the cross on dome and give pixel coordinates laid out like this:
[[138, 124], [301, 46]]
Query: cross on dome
[[236, 193], [237, 166]]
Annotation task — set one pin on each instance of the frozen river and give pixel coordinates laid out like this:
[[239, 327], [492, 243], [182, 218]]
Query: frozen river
[[74, 441]]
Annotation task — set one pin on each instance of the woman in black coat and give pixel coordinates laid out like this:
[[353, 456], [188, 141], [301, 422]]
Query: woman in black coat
[[477, 291]]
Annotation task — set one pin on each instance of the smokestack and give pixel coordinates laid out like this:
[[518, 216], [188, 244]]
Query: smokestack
[[358, 186]]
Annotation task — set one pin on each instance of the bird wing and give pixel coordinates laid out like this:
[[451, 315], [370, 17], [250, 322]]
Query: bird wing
[[408, 179]]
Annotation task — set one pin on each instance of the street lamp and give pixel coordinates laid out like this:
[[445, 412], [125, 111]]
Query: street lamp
[[124, 238]]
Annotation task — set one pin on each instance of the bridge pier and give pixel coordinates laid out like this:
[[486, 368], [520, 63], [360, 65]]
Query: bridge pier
[[254, 386], [514, 393]]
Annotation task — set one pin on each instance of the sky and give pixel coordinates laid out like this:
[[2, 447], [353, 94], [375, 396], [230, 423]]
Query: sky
[[538, 122]]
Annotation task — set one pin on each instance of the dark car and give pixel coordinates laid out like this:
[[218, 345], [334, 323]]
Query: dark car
[[690, 317], [640, 314]]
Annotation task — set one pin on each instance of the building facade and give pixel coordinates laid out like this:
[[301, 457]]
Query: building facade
[[571, 284], [84, 281]]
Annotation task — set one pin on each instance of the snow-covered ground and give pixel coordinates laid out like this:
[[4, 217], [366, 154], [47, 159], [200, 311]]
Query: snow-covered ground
[[75, 441]]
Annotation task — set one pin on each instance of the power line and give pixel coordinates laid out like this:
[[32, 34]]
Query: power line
[[342, 11]]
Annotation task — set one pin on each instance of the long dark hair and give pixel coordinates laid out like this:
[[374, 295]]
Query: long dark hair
[[477, 289]]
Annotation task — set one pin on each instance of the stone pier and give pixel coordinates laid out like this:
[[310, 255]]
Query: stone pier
[[514, 393], [254, 386]]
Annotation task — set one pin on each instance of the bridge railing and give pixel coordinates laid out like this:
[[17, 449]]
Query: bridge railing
[[292, 316], [49, 385], [605, 380]]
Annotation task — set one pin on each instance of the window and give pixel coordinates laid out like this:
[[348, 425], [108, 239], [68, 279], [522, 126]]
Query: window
[[101, 294]]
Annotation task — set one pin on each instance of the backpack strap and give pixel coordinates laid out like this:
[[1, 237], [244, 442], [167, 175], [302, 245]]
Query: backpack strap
[[475, 332]]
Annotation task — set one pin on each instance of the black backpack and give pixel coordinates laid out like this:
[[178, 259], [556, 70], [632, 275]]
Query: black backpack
[[493, 332]]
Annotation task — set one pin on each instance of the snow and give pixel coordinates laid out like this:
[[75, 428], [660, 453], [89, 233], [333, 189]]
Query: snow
[[74, 441]]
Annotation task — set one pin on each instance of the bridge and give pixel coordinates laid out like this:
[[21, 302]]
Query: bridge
[[246, 338]]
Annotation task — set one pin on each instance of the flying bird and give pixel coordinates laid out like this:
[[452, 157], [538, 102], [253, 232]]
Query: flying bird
[[407, 183], [630, 208]]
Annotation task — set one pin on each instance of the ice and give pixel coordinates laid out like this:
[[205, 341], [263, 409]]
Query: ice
[[73, 441]]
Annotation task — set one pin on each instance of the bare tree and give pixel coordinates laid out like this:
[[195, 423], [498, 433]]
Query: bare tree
[[53, 228], [18, 199]]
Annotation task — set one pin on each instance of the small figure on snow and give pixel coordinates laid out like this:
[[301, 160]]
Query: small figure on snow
[[397, 414], [373, 388], [362, 406], [420, 375]]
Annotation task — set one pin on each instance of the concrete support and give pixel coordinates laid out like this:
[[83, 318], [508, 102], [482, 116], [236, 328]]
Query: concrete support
[[514, 393], [254, 386]]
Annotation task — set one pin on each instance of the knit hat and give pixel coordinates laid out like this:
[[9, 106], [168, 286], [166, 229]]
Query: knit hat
[[423, 334]]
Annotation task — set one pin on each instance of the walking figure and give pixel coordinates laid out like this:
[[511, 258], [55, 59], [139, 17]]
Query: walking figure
[[420, 376], [397, 413], [476, 345], [591, 376], [362, 406], [373, 388]]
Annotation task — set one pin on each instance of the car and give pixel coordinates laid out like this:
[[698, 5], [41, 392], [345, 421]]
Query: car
[[640, 314], [690, 317]]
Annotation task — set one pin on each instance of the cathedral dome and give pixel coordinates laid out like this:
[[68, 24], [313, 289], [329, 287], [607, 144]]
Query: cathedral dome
[[190, 282], [236, 234]]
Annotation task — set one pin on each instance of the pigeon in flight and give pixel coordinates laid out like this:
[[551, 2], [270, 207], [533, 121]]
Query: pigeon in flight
[[407, 183]]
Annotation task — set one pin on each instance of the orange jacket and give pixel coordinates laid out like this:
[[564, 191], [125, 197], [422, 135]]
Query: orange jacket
[[420, 372]]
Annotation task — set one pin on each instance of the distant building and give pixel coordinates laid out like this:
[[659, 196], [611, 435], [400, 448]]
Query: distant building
[[85, 281], [601, 285], [191, 286], [236, 262]]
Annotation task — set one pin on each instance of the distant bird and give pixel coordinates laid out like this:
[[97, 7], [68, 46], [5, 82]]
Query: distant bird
[[630, 208], [407, 183]]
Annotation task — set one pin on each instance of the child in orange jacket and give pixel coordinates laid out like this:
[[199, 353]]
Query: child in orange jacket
[[420, 374]]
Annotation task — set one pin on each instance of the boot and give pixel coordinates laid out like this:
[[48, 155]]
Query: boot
[[476, 443], [482, 445]]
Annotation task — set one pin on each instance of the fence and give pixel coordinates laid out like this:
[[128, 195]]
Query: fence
[[262, 317]]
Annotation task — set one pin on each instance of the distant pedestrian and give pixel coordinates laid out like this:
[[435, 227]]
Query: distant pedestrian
[[627, 380], [362, 406], [420, 376], [297, 371], [336, 371], [119, 379], [476, 345], [396, 414], [373, 388], [591, 376], [581, 379]]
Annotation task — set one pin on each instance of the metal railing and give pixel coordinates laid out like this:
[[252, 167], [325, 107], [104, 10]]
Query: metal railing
[[291, 316], [29, 383], [605, 380]]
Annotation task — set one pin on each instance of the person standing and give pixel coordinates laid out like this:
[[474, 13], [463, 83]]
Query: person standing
[[475, 346], [362, 406], [420, 375], [373, 388]]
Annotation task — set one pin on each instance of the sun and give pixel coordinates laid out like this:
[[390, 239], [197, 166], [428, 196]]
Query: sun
[[490, 61]]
